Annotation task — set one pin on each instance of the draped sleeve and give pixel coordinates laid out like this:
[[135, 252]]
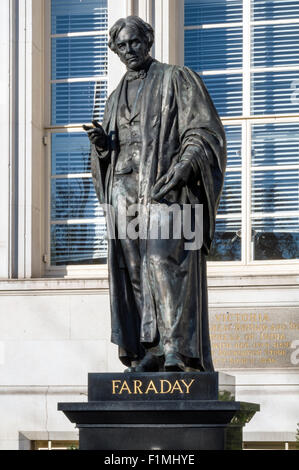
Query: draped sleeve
[[100, 159], [202, 140]]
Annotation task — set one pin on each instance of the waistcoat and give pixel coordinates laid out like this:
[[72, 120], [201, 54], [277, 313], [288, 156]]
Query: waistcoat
[[128, 124]]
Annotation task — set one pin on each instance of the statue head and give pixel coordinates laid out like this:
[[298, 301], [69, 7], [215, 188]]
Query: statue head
[[131, 39]]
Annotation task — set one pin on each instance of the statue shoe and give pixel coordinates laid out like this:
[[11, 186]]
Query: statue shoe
[[149, 363], [173, 363], [132, 367], [129, 369]]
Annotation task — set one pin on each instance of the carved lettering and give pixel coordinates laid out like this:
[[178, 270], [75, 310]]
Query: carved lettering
[[176, 386], [137, 386], [253, 339], [187, 386], [151, 387], [115, 386], [162, 386], [125, 387]]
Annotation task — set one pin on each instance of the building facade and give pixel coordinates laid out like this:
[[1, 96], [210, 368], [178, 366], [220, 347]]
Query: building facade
[[54, 300]]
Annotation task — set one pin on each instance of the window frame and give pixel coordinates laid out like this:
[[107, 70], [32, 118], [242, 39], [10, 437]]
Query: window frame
[[247, 264], [67, 271]]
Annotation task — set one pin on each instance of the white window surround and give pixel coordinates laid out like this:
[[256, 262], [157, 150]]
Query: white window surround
[[7, 124], [21, 167], [55, 120], [28, 219]]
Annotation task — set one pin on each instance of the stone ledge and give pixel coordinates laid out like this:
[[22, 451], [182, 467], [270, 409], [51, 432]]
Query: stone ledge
[[100, 284], [43, 390], [49, 286]]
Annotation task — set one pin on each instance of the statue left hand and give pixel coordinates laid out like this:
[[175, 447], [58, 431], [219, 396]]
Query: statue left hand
[[176, 177]]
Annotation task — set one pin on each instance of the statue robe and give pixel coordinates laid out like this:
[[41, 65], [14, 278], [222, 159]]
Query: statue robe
[[176, 113]]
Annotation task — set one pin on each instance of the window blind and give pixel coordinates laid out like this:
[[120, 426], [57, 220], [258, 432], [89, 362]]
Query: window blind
[[226, 92], [213, 49], [226, 245], [76, 16], [275, 45], [70, 153], [275, 190], [78, 244], [79, 57], [212, 11], [274, 9], [78, 102], [74, 198], [275, 144], [274, 93], [78, 92]]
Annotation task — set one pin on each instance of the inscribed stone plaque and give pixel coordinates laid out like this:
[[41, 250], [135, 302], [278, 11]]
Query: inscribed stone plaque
[[255, 338]]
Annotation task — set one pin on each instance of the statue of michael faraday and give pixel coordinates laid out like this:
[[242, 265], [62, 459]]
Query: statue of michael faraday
[[161, 145]]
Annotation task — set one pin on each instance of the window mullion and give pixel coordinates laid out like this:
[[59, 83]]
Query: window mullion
[[80, 221], [48, 155], [246, 173], [275, 22], [215, 25], [103, 32], [97, 78], [246, 193], [71, 176]]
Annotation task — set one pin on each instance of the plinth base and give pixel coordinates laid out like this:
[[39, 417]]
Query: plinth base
[[165, 411]]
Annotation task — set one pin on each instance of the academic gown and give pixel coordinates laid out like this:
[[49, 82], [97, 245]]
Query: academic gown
[[177, 114]]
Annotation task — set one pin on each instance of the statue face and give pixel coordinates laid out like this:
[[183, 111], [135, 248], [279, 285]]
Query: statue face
[[132, 48]]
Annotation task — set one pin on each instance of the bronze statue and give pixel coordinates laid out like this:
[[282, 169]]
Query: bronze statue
[[161, 144]]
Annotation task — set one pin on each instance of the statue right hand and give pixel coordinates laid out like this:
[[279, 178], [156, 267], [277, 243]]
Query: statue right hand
[[96, 135]]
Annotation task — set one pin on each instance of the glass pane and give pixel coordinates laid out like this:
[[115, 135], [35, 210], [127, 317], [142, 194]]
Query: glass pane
[[226, 92], [275, 190], [275, 9], [230, 202], [275, 238], [213, 49], [212, 11], [226, 245], [70, 153], [234, 145], [275, 45], [69, 16], [78, 244], [74, 198], [78, 102], [275, 144], [79, 57], [275, 93]]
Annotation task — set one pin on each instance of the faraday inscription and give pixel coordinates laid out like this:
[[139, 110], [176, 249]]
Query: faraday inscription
[[153, 386], [162, 386]]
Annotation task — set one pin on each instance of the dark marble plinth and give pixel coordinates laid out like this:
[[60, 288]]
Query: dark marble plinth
[[167, 411]]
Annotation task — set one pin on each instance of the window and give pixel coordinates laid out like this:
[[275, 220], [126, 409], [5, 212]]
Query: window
[[247, 52], [54, 445], [270, 445], [78, 90]]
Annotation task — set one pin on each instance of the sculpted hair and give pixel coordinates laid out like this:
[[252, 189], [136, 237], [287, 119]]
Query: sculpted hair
[[141, 26]]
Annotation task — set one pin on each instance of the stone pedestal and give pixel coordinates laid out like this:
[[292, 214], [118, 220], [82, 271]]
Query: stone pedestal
[[161, 411]]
